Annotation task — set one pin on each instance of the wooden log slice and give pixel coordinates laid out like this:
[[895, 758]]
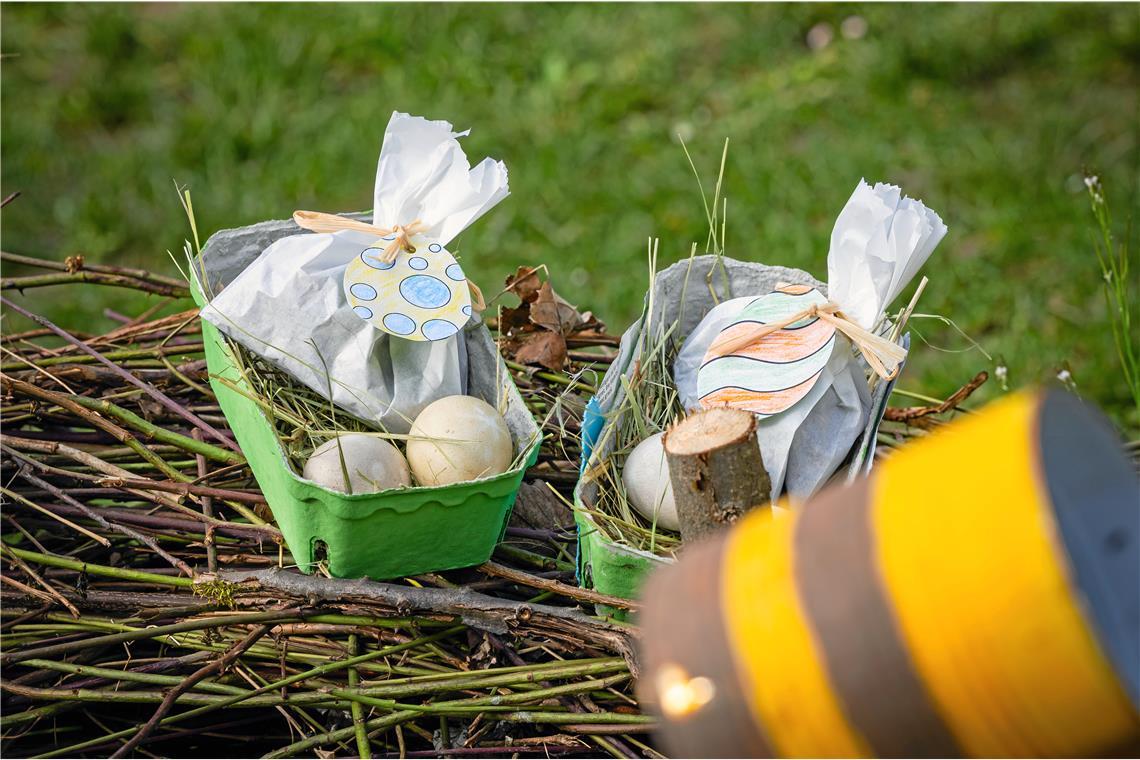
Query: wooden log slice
[[716, 469]]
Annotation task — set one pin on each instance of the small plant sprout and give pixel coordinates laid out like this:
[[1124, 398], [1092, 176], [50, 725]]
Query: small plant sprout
[[1113, 258]]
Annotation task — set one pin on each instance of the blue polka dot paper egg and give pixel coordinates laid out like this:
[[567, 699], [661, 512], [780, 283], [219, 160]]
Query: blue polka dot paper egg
[[418, 296]]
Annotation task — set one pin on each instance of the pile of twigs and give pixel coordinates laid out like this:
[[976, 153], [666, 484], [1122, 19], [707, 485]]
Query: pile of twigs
[[150, 607]]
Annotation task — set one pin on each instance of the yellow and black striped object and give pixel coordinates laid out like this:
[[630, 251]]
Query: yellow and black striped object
[[978, 596]]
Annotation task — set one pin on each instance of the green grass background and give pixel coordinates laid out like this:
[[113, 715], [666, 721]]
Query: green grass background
[[988, 113]]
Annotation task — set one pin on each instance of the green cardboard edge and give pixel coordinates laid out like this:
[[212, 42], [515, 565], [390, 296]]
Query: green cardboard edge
[[382, 535], [609, 567]]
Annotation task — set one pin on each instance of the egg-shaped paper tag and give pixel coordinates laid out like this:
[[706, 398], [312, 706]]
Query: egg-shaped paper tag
[[772, 373], [422, 295]]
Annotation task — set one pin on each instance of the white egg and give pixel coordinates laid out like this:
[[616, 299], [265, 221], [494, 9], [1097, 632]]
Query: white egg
[[646, 480], [458, 438], [373, 464]]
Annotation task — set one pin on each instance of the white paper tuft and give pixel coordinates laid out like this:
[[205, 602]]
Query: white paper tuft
[[289, 305], [424, 174], [880, 241]]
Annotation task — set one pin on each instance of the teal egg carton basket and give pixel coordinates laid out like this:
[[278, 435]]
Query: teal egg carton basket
[[685, 293]]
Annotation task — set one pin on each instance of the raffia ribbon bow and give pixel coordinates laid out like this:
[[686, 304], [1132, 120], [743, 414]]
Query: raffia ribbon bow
[[883, 355], [316, 221]]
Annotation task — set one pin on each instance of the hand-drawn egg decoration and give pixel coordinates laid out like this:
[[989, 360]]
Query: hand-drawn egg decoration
[[421, 295], [772, 373]]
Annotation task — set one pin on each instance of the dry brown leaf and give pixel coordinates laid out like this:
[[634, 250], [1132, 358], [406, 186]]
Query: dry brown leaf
[[543, 347], [516, 320], [551, 311], [524, 283]]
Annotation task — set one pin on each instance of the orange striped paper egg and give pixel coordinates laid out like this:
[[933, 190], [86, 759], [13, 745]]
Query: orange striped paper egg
[[773, 373]]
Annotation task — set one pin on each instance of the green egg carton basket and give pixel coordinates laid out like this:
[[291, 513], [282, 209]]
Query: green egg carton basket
[[684, 293], [376, 535]]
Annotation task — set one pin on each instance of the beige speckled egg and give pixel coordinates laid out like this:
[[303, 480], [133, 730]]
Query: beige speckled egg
[[373, 465], [458, 438], [646, 480]]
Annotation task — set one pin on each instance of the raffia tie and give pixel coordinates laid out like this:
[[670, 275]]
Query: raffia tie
[[883, 355], [315, 221]]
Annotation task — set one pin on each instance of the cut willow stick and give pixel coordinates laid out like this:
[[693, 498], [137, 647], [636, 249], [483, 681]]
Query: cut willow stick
[[51, 590], [539, 561], [36, 713], [78, 528], [716, 469], [371, 726], [96, 278], [77, 264], [138, 328], [478, 610], [122, 354], [553, 378], [35, 592], [256, 527], [217, 666], [563, 589], [207, 510], [158, 522], [117, 474], [123, 436], [145, 540], [54, 560], [363, 747], [478, 704], [280, 684], [148, 389], [196, 624], [491, 678], [134, 676], [96, 374], [142, 696], [157, 433], [531, 717], [154, 666]]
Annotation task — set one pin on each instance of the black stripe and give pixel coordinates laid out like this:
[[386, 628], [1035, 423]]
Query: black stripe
[[830, 341], [807, 292], [866, 659], [1096, 501], [758, 322], [683, 624], [741, 388]]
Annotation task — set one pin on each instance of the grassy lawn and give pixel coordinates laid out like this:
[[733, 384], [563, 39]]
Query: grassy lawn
[[990, 114]]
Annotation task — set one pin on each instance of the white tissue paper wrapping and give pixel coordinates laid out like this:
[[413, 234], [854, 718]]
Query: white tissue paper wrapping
[[292, 295], [880, 241]]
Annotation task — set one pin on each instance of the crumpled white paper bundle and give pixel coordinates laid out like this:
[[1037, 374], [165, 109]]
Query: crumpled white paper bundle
[[289, 305], [880, 241]]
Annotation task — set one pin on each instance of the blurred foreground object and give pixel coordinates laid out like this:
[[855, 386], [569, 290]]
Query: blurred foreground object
[[978, 595]]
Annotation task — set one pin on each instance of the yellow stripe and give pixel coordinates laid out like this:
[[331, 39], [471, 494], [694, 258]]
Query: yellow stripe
[[970, 556], [784, 675]]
